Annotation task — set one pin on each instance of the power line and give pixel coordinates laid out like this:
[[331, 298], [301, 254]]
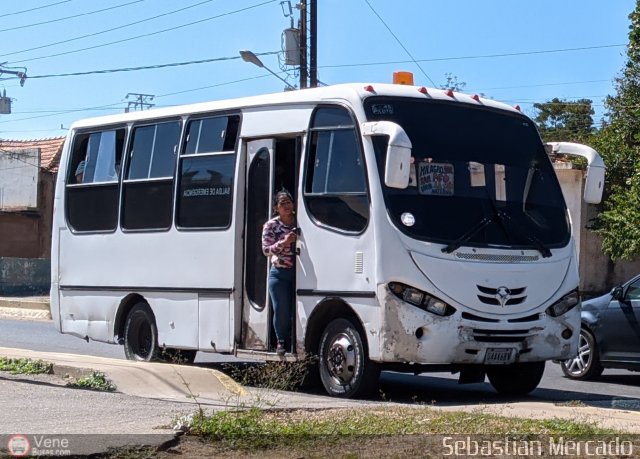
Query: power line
[[34, 9], [148, 67], [400, 43], [481, 56], [542, 85], [102, 107], [151, 33], [106, 30], [70, 17]]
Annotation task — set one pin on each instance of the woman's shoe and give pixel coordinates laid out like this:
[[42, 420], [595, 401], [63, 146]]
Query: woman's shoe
[[280, 349]]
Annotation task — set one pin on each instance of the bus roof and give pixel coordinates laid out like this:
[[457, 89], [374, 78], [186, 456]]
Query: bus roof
[[353, 92]]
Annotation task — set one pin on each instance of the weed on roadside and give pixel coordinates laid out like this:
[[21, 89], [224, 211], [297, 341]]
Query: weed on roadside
[[284, 376], [95, 381], [25, 366], [255, 429]]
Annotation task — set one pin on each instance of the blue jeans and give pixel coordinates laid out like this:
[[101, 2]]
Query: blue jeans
[[281, 293]]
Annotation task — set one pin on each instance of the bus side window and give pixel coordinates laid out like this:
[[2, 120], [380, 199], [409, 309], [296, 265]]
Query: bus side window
[[147, 198], [92, 180], [336, 187], [207, 168]]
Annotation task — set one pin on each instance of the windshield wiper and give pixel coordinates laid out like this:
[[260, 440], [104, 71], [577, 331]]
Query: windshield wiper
[[468, 235], [539, 245]]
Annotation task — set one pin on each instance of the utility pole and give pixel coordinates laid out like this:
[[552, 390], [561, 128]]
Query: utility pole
[[140, 100], [303, 44], [314, 44]]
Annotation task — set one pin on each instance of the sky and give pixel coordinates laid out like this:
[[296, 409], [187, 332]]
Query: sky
[[516, 51]]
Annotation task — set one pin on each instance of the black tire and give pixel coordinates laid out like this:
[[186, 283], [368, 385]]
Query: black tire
[[586, 365], [517, 378], [345, 369], [178, 356], [141, 334]]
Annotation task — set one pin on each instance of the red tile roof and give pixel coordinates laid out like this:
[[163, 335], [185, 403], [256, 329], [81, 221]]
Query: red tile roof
[[50, 150]]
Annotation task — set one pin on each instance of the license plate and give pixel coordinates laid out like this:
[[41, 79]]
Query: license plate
[[499, 356]]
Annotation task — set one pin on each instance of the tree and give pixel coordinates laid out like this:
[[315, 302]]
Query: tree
[[562, 120], [619, 144]]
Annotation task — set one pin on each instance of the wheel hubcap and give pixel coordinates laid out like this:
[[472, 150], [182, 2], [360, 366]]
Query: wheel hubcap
[[579, 364], [341, 359]]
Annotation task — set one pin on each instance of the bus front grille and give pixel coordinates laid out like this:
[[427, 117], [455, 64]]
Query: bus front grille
[[500, 336]]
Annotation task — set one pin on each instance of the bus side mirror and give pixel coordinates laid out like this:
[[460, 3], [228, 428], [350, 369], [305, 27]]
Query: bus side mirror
[[397, 166], [594, 182]]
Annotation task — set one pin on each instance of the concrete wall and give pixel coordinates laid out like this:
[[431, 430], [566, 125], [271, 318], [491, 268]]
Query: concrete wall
[[25, 276], [598, 274], [27, 233], [19, 171]]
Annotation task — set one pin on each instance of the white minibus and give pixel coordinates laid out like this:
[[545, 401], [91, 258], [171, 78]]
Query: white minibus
[[433, 234]]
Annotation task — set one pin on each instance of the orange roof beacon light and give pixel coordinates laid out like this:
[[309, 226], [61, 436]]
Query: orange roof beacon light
[[402, 77]]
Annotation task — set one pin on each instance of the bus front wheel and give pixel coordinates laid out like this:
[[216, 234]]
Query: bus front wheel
[[345, 369], [517, 378], [141, 334]]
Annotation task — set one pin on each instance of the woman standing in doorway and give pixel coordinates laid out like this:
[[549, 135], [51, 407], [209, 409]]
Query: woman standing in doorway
[[278, 240]]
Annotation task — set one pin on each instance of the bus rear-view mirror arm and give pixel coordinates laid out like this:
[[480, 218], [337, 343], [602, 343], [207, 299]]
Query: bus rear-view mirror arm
[[398, 161], [594, 182]]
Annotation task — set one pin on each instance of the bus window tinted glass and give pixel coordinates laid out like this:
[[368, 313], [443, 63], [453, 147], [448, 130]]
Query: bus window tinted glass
[[338, 165], [211, 135], [153, 153], [336, 187], [92, 179], [96, 158], [332, 117], [205, 191]]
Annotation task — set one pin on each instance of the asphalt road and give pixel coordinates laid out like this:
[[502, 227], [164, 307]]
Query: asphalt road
[[616, 389]]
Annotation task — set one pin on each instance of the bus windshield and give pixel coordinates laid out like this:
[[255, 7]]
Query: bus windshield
[[479, 177]]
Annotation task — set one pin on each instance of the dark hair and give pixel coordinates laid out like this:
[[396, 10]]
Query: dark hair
[[282, 194], [279, 195]]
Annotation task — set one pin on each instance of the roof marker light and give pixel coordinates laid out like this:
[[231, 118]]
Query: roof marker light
[[369, 88], [423, 90], [449, 93], [476, 97], [517, 107]]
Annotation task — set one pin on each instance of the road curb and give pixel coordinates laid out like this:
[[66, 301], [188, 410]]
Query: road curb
[[27, 308]]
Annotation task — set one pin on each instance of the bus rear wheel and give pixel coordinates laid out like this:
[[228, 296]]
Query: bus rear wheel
[[345, 369], [517, 378], [141, 334]]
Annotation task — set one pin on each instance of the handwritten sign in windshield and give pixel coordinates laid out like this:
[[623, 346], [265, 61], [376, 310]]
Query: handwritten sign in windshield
[[435, 179]]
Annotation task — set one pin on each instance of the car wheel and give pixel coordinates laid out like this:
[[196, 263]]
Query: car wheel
[[586, 365], [516, 378], [345, 369], [141, 334]]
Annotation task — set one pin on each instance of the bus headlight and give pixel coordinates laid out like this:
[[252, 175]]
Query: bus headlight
[[421, 299], [564, 305]]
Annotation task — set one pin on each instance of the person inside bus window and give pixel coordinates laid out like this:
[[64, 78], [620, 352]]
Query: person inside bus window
[[80, 171], [278, 241]]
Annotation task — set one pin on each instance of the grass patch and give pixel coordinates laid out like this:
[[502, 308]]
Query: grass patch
[[253, 429], [95, 381], [25, 366], [285, 376]]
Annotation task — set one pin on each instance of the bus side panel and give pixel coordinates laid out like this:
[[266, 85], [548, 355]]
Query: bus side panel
[[216, 323], [89, 314], [367, 310], [176, 318], [163, 260]]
